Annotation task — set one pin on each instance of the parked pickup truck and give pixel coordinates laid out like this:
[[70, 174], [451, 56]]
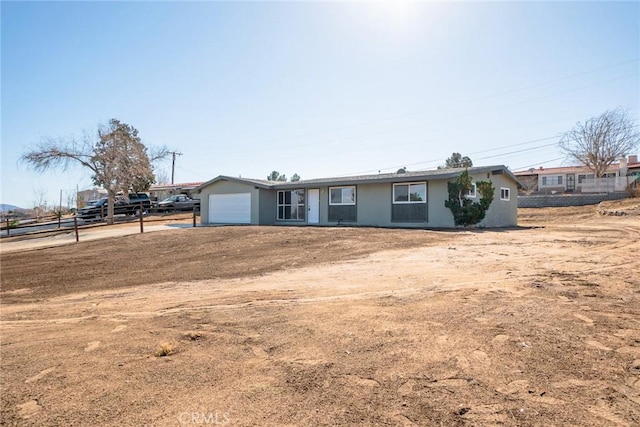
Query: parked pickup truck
[[179, 202], [97, 209]]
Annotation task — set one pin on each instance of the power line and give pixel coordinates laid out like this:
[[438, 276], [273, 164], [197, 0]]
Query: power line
[[522, 168], [487, 150], [515, 145], [450, 118], [517, 151], [414, 113], [561, 78], [482, 158], [194, 173], [476, 152]]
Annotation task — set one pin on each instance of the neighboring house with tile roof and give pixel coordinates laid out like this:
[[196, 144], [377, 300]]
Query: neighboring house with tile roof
[[580, 179], [407, 200]]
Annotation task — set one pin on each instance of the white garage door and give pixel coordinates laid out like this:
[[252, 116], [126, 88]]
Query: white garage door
[[230, 208]]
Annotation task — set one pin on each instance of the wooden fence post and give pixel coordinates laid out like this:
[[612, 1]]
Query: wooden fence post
[[141, 220], [194, 215], [8, 233], [75, 226]]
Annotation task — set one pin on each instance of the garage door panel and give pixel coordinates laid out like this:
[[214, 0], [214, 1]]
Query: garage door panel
[[230, 208]]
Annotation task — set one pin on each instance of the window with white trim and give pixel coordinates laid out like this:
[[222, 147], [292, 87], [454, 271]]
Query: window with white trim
[[342, 195], [414, 192], [552, 180], [472, 191], [583, 177], [505, 194], [291, 205]]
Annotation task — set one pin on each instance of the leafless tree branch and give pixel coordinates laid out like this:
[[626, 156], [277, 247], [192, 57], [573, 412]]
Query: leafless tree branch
[[117, 158], [600, 141]]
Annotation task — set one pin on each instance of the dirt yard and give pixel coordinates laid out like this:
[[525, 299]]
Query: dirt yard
[[538, 325]]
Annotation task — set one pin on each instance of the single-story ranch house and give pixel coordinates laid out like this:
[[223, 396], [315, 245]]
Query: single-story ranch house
[[403, 199]]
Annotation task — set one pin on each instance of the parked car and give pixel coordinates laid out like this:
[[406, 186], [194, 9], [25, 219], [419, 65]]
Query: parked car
[[134, 204], [178, 202]]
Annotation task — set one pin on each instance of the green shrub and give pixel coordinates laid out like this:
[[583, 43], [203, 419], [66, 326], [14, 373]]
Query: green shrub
[[465, 211]]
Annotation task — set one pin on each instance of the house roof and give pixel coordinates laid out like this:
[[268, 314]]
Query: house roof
[[614, 167], [365, 179], [172, 186], [556, 170]]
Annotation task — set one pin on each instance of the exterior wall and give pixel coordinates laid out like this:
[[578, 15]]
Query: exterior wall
[[373, 204], [267, 207], [228, 187], [501, 213], [439, 214]]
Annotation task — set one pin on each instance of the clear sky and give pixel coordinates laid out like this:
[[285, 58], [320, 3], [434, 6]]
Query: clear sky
[[318, 88]]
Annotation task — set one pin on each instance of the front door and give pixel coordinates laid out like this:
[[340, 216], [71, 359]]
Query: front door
[[571, 181], [313, 206]]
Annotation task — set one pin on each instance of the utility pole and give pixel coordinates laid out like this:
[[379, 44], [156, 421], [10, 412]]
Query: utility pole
[[173, 163]]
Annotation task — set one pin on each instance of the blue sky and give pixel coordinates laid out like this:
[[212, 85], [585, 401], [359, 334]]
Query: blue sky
[[321, 89]]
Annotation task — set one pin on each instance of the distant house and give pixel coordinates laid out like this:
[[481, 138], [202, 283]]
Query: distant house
[[580, 179], [159, 192], [404, 199], [156, 192], [94, 193]]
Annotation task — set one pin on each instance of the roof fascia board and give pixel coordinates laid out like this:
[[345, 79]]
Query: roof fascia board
[[443, 174]]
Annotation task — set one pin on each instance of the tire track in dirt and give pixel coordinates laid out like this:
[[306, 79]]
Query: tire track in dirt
[[450, 335]]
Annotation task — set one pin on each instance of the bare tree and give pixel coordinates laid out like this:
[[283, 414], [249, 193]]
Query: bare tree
[[72, 198], [40, 203], [600, 141], [162, 177], [118, 159], [529, 183]]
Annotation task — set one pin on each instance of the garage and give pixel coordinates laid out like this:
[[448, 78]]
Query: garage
[[230, 208]]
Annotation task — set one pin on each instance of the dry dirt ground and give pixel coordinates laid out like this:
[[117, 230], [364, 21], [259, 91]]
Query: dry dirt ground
[[538, 325]]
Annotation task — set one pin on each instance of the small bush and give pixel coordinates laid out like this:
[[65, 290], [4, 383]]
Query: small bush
[[166, 349]]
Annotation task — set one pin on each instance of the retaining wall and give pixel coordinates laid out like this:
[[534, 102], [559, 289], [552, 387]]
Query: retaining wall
[[560, 200]]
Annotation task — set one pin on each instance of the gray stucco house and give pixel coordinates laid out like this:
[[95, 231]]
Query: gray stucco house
[[409, 199]]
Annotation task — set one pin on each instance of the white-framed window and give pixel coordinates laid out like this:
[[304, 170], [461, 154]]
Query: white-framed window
[[291, 206], [342, 195], [583, 177], [472, 191], [410, 192], [552, 180], [505, 194]]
